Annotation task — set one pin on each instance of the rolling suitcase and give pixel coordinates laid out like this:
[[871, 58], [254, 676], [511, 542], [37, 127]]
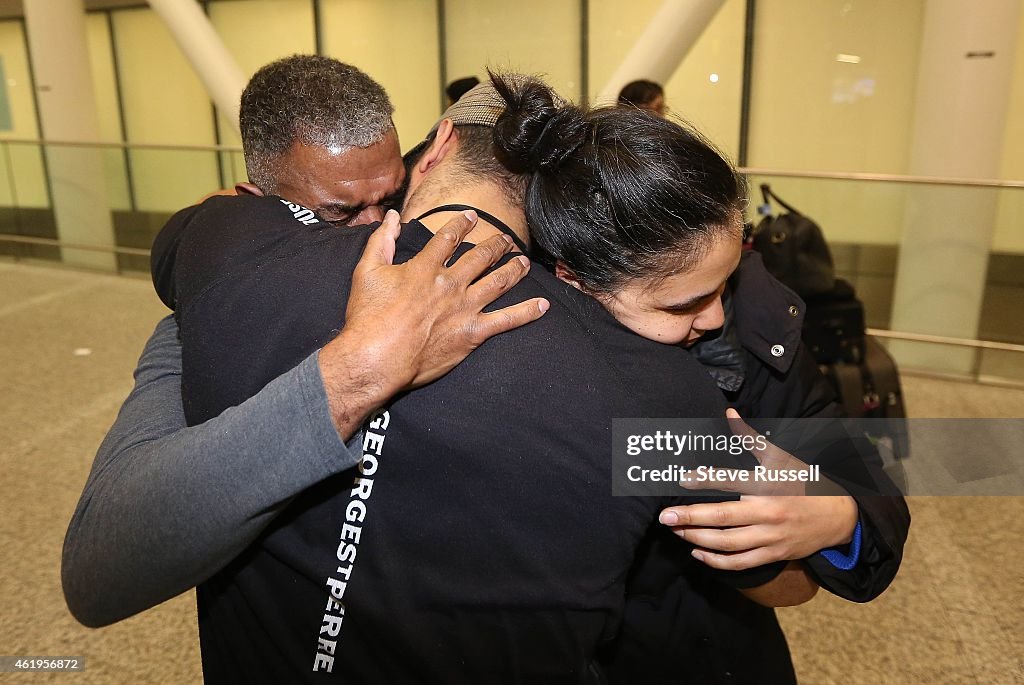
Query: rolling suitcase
[[859, 368], [871, 390], [834, 326]]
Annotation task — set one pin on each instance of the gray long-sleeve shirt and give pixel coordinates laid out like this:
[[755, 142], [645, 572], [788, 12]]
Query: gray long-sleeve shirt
[[195, 497]]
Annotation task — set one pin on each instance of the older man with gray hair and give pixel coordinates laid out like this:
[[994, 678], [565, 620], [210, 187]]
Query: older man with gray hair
[[153, 519], [319, 133]]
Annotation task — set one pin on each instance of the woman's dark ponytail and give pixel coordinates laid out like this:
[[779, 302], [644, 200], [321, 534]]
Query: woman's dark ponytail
[[616, 194], [537, 131]]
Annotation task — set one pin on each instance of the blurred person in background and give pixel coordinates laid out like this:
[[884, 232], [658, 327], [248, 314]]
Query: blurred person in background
[[644, 95], [459, 87]]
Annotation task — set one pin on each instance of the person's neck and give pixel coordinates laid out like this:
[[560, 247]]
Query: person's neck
[[483, 196]]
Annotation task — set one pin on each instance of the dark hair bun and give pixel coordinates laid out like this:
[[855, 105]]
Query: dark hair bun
[[537, 132]]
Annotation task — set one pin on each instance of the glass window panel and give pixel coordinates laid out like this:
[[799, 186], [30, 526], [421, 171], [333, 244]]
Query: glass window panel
[[104, 79], [705, 90], [257, 32], [22, 171], [164, 102], [868, 256], [833, 84]]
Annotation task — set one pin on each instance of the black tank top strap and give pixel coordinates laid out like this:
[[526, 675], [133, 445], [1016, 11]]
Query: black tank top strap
[[489, 218]]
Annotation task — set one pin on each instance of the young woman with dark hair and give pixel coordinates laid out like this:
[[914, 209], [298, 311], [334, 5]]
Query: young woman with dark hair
[[645, 215], [635, 210]]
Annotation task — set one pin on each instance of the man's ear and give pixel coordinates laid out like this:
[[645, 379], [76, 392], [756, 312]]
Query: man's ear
[[442, 146], [564, 273], [248, 189]]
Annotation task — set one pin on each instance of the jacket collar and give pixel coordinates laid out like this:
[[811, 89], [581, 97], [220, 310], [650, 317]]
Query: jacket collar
[[769, 317], [762, 317]]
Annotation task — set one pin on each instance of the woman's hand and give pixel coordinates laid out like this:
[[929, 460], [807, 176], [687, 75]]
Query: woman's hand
[[770, 522], [761, 529]]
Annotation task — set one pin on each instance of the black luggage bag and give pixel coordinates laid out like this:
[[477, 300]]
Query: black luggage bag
[[834, 326], [860, 369]]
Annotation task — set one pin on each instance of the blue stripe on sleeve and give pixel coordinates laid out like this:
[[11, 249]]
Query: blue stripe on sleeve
[[845, 562]]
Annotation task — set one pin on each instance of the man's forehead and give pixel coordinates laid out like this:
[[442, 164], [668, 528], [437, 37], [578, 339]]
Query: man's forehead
[[344, 164], [353, 176]]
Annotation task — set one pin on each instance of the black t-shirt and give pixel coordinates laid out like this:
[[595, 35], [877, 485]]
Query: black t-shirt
[[479, 542]]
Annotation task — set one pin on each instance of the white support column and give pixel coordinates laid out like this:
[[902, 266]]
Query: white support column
[[962, 98], [198, 40], [59, 52], [660, 49]]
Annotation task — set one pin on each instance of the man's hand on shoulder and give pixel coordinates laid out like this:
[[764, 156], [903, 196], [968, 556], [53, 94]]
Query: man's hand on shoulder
[[409, 324]]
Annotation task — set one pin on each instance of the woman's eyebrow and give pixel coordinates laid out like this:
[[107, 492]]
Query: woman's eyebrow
[[691, 302], [696, 299]]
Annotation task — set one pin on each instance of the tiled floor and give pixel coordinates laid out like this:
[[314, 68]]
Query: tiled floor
[[68, 343]]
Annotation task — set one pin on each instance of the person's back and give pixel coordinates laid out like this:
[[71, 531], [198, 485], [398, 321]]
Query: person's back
[[481, 541]]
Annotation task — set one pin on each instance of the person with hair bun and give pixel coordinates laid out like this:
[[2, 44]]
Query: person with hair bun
[[477, 541], [638, 211], [643, 214]]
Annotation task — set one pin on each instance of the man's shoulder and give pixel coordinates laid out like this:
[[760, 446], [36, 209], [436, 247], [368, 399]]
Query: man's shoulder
[[222, 220], [579, 345], [230, 237], [251, 213]]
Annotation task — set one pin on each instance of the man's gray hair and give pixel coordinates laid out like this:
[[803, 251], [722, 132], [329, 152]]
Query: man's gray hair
[[313, 100]]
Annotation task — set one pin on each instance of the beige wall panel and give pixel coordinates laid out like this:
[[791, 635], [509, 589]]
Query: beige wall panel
[[257, 32], [810, 111], [394, 42], [713, 106], [531, 36]]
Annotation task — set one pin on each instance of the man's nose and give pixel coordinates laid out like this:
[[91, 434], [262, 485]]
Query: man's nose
[[368, 215]]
